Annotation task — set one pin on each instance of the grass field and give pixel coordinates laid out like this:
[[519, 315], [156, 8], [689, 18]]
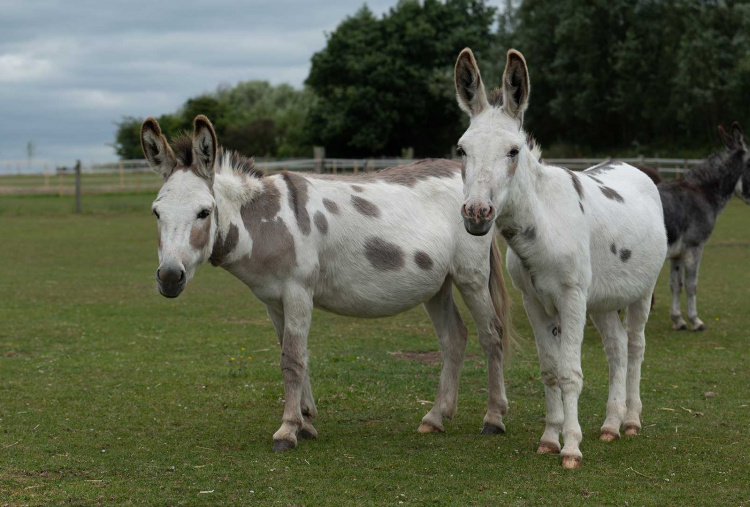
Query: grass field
[[111, 394]]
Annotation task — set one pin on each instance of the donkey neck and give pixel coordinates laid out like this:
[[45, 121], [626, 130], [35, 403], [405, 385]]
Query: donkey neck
[[717, 178], [522, 211]]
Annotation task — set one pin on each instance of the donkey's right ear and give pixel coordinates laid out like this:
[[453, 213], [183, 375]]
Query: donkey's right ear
[[156, 149], [470, 92], [739, 137], [726, 138]]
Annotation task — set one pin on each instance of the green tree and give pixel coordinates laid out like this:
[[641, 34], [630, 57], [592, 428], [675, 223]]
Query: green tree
[[386, 84]]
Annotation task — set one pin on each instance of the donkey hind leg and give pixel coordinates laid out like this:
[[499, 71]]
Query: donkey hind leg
[[615, 341], [675, 285], [309, 412], [297, 316], [635, 323], [692, 263], [451, 333], [479, 301], [547, 334]]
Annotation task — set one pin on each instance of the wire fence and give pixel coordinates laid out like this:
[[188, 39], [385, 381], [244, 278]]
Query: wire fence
[[134, 176]]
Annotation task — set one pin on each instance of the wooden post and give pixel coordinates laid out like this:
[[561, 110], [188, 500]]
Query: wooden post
[[137, 181], [78, 187], [334, 166], [46, 176], [356, 169], [122, 176], [60, 182]]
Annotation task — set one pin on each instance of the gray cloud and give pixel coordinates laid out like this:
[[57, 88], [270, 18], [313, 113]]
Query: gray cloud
[[70, 69]]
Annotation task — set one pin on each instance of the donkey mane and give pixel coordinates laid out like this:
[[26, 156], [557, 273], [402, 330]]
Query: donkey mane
[[182, 146], [495, 97]]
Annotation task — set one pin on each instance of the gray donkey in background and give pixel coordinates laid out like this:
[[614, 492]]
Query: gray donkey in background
[[691, 206]]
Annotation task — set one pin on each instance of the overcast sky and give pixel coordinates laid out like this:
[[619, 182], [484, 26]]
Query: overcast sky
[[70, 69]]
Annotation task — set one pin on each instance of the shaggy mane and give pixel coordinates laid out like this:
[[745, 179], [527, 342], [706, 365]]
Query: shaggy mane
[[534, 147], [495, 97], [182, 146], [715, 167]]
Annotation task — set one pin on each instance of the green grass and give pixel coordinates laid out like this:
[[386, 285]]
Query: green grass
[[110, 393]]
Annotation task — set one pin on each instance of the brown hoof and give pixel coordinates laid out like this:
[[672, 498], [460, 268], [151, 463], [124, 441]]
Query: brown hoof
[[609, 436], [491, 429], [547, 449], [632, 430], [571, 462], [429, 428], [283, 445]]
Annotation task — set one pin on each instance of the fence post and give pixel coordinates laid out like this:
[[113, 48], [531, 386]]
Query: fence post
[[137, 181], [356, 169], [319, 154], [60, 181], [78, 187], [334, 166], [46, 176], [122, 176]]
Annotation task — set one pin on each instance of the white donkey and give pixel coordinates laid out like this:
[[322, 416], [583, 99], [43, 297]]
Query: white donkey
[[578, 242], [371, 245]]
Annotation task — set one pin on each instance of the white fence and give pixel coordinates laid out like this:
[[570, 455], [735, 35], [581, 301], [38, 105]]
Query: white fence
[[43, 177]]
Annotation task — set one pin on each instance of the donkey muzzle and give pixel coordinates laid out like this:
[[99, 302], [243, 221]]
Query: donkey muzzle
[[478, 218], [171, 280]]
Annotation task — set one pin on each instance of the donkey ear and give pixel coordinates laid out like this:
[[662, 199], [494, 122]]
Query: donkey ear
[[516, 86], [726, 138], [156, 149], [204, 146], [738, 136], [469, 87]]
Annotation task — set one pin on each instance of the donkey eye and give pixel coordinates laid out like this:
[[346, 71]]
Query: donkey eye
[[156, 214], [460, 151], [512, 153], [204, 213]]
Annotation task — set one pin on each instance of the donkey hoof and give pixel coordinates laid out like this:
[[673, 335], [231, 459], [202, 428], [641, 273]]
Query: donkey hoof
[[491, 429], [699, 326], [546, 448], [609, 436], [679, 326], [571, 462], [283, 445], [426, 427], [632, 429]]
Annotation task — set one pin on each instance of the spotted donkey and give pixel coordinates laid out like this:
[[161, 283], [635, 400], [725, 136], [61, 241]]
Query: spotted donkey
[[579, 243], [692, 205], [371, 245]]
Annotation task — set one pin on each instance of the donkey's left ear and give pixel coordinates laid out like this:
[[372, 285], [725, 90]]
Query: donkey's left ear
[[516, 86], [739, 137], [204, 146]]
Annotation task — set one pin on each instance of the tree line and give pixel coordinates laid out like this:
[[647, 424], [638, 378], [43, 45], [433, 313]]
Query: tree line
[[607, 77]]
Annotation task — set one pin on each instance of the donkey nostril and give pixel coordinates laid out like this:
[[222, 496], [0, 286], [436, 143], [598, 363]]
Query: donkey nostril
[[182, 275], [463, 211], [158, 274]]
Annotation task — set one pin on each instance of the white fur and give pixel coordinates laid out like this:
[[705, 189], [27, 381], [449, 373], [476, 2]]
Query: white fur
[[572, 270]]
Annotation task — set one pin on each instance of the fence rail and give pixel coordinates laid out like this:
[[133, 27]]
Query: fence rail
[[135, 175]]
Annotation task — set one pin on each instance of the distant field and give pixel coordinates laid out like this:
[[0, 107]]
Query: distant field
[[110, 393]]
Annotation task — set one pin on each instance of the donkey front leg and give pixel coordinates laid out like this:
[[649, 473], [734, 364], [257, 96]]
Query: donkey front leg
[[451, 333], [692, 263], [675, 285], [309, 412], [572, 307], [546, 335], [297, 316]]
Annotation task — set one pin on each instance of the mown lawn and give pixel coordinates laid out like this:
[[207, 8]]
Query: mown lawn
[[110, 393]]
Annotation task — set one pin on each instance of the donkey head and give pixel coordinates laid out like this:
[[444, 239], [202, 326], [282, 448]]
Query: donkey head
[[185, 206], [494, 144], [737, 141]]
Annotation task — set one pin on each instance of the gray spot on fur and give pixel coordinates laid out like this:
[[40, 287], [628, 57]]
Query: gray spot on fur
[[613, 248], [405, 175], [357, 188], [365, 207], [600, 168], [611, 193], [576, 183], [529, 234], [321, 222], [297, 186], [594, 178], [273, 244], [625, 254], [223, 246], [423, 260], [384, 256], [331, 206]]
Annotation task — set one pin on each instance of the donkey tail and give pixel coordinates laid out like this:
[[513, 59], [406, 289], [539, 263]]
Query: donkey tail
[[501, 299]]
